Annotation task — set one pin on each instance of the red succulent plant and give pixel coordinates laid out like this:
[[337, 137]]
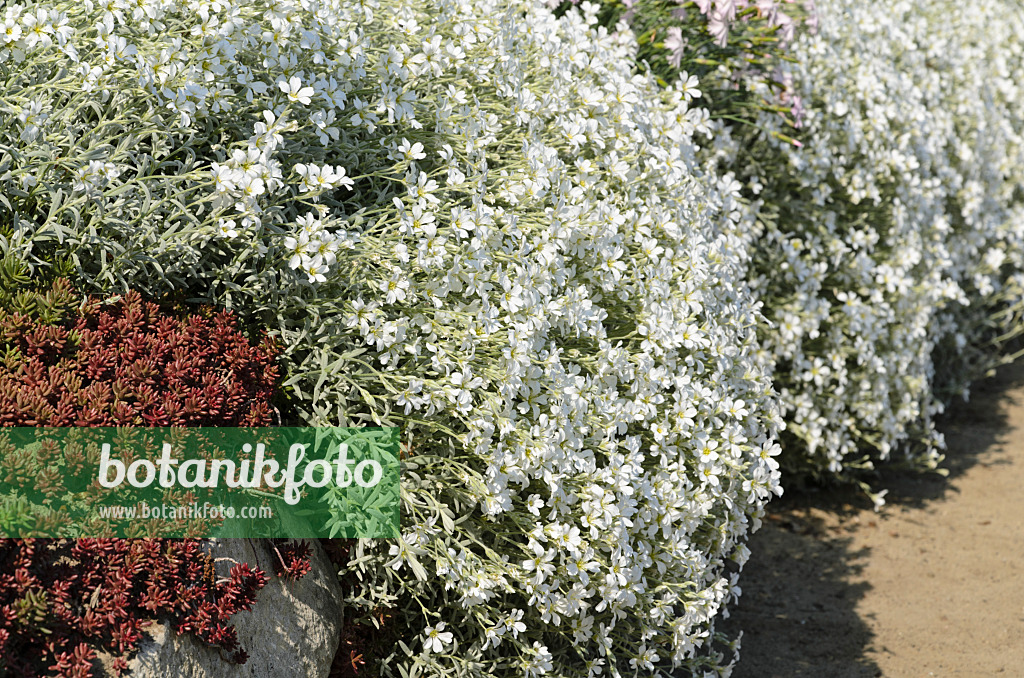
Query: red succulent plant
[[69, 361]]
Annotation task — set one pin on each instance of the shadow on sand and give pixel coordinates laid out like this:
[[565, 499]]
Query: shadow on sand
[[798, 608]]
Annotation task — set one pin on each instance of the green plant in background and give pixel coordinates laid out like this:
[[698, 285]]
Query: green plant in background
[[720, 51]]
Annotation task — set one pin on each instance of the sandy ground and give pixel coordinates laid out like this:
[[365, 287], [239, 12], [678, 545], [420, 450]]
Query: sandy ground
[[932, 586]]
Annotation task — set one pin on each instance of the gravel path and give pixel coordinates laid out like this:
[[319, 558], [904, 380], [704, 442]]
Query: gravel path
[[932, 586]]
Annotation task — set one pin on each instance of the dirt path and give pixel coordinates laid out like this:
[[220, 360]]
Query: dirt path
[[932, 586]]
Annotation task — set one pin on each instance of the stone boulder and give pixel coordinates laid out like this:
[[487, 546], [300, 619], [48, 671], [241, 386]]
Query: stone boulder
[[292, 630]]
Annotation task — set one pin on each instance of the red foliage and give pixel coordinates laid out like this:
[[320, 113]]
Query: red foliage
[[69, 362], [61, 600], [292, 558], [128, 364]]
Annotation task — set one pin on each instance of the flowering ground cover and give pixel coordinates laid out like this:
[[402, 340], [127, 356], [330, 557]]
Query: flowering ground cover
[[889, 242], [73, 361], [594, 289]]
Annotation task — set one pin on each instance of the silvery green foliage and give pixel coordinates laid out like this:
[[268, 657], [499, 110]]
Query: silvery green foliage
[[889, 246], [469, 220]]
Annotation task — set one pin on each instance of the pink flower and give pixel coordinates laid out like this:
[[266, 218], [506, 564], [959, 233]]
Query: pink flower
[[767, 9], [675, 43], [812, 17], [704, 6], [727, 8], [787, 25], [718, 26], [798, 112]]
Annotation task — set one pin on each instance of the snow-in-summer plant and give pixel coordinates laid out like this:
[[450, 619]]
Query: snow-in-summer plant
[[470, 220], [888, 248]]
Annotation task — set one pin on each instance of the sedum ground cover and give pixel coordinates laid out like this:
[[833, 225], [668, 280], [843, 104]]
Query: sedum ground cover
[[66, 360], [595, 289]]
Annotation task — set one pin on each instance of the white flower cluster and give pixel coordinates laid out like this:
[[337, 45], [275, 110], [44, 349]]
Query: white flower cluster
[[890, 237], [471, 220]]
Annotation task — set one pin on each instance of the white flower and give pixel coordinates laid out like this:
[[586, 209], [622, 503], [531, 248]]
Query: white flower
[[316, 269], [436, 638], [227, 228], [513, 624], [300, 249], [322, 178], [11, 30], [295, 91], [38, 28], [538, 662], [396, 288], [411, 151], [688, 85]]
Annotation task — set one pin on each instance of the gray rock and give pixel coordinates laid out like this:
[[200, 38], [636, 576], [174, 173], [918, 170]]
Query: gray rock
[[292, 630]]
